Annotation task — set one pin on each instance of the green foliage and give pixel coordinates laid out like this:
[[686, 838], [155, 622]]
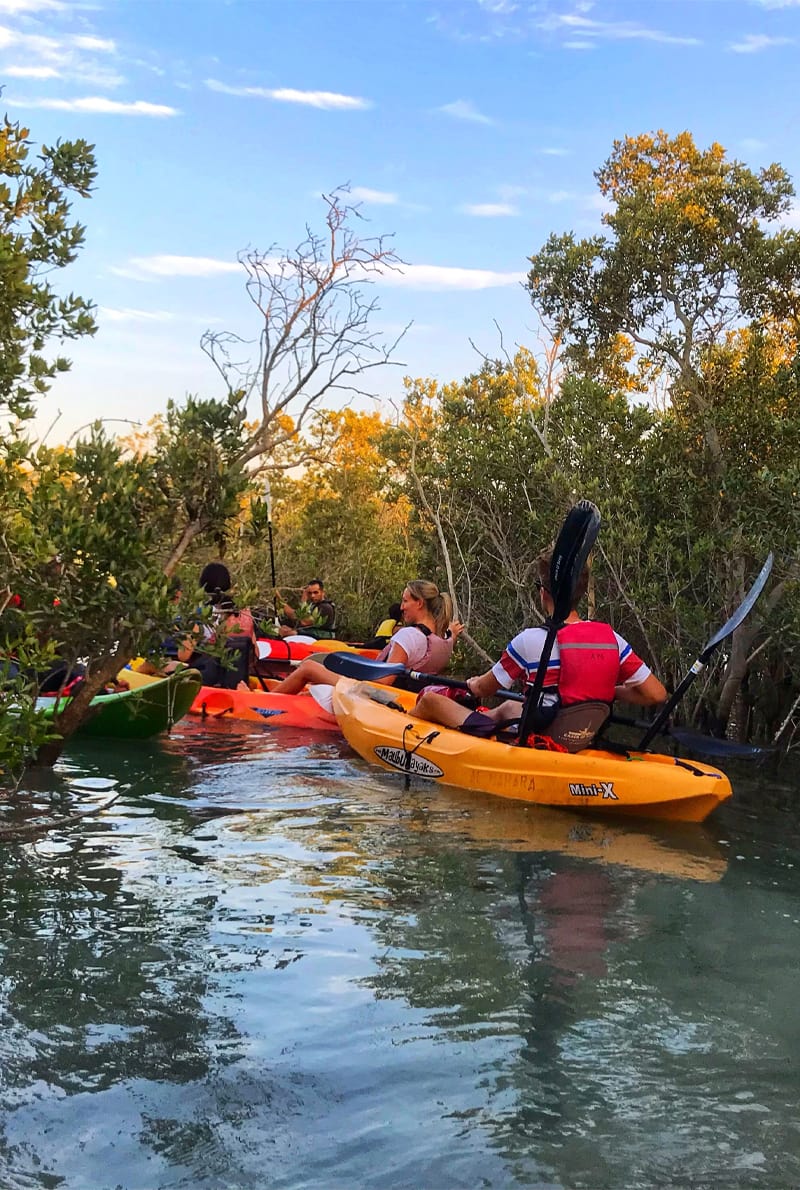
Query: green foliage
[[690, 252], [343, 519], [85, 546], [37, 238], [197, 451]]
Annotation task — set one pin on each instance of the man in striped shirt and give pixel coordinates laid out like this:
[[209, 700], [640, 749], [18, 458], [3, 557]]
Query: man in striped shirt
[[589, 662]]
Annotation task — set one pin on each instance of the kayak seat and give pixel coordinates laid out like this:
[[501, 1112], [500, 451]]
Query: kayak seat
[[384, 697], [576, 727], [573, 728]]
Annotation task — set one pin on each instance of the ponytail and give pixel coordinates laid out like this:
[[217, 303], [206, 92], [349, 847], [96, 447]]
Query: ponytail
[[438, 603]]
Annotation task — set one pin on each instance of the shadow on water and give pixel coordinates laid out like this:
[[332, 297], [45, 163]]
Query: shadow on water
[[267, 964]]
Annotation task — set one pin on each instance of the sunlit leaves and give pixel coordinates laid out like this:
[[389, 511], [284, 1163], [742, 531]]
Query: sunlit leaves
[[37, 239]]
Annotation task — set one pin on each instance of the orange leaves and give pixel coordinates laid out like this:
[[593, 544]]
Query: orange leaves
[[671, 175]]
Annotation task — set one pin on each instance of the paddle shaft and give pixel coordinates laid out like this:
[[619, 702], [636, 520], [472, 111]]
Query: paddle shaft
[[699, 665], [268, 502], [351, 665], [570, 553], [695, 741]]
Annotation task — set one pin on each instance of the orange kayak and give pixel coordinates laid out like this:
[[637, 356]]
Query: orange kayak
[[261, 706]]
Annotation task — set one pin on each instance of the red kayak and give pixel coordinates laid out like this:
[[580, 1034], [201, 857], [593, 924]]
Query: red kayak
[[261, 706], [277, 656]]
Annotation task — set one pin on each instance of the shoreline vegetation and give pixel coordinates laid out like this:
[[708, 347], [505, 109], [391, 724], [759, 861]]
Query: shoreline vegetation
[[666, 392]]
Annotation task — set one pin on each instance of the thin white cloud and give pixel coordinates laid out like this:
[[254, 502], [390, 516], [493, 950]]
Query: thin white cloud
[[326, 100], [100, 45], [555, 152], [442, 277], [408, 276], [754, 43], [779, 3], [384, 198], [126, 314], [37, 43], [498, 7], [464, 109], [587, 28], [579, 45], [31, 72], [489, 210], [147, 267], [75, 57], [15, 7], [751, 144], [99, 105]]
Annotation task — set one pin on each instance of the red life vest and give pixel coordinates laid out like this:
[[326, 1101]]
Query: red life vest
[[589, 662]]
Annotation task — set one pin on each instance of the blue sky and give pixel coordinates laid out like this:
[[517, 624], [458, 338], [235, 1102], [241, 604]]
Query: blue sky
[[469, 128]]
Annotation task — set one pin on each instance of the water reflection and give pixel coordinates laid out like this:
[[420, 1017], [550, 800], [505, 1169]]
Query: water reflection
[[269, 964]]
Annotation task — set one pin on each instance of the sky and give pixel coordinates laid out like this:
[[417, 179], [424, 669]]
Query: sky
[[468, 129]]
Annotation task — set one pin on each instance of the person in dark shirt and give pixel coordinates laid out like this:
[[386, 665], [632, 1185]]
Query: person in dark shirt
[[320, 622]]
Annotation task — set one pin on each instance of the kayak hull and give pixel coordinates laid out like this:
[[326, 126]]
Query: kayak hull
[[641, 784], [148, 708], [261, 706]]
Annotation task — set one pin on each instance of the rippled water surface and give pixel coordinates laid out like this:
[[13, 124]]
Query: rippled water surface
[[267, 965]]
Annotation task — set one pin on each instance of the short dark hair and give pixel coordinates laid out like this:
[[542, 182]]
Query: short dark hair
[[395, 611], [315, 582], [543, 563]]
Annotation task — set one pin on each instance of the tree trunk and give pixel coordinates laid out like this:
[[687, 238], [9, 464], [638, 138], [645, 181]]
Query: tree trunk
[[76, 710], [190, 532], [735, 673]]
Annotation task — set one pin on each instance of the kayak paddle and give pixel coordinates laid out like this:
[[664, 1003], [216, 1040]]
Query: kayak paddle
[[350, 665], [570, 553], [742, 611], [694, 741]]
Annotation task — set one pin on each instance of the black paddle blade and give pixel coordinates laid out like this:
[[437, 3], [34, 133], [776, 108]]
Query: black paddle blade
[[742, 611], [706, 745], [350, 665], [573, 546]]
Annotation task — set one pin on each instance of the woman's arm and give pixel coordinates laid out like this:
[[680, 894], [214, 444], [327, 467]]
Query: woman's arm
[[397, 656]]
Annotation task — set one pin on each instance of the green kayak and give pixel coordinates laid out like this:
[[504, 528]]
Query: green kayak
[[152, 706]]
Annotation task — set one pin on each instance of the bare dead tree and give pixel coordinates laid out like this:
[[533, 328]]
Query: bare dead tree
[[315, 310]]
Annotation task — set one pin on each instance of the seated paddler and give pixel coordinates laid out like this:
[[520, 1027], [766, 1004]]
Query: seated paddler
[[424, 643], [589, 663], [315, 617]]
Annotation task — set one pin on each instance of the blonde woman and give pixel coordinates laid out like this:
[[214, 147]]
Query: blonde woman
[[425, 642]]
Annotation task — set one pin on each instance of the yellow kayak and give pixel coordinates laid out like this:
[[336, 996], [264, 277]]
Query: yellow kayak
[[643, 783]]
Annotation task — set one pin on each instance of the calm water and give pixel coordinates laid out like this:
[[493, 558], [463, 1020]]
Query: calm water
[[267, 965]]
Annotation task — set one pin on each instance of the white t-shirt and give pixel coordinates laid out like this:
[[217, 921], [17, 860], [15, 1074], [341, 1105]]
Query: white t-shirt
[[413, 643]]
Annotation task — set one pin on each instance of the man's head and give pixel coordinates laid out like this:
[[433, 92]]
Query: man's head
[[543, 563], [315, 591]]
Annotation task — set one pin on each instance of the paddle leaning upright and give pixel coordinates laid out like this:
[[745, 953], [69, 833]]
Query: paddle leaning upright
[[570, 555]]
